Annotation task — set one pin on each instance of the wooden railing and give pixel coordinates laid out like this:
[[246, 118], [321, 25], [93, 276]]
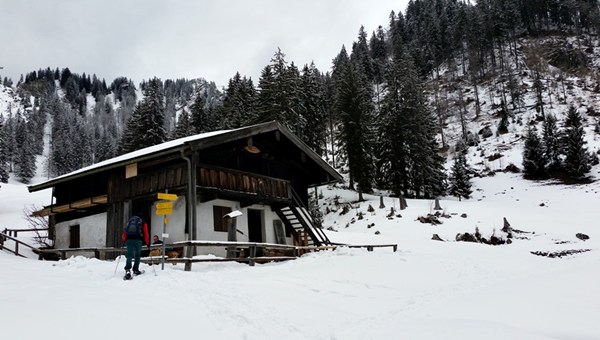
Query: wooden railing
[[15, 232], [15, 243], [99, 253], [243, 182], [246, 252]]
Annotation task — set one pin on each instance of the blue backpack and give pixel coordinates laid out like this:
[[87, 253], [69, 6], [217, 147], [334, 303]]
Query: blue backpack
[[134, 226]]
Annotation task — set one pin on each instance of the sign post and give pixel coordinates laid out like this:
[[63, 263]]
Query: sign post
[[165, 208]]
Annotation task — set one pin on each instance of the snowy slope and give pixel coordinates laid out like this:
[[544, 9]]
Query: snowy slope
[[8, 101]]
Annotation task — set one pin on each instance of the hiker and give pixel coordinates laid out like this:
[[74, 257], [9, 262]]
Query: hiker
[[135, 231]]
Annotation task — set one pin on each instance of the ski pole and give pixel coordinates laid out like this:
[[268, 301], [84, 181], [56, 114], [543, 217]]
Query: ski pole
[[152, 264], [117, 266]]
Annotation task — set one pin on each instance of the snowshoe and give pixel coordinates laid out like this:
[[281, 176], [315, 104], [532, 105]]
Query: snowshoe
[[127, 276], [138, 272]]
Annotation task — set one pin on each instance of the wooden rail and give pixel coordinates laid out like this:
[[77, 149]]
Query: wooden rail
[[371, 246], [4, 237], [99, 253], [246, 251], [14, 232]]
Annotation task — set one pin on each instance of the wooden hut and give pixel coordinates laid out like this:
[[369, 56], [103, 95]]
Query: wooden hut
[[264, 171]]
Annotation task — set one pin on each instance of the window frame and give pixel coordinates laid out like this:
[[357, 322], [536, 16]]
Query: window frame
[[219, 211]]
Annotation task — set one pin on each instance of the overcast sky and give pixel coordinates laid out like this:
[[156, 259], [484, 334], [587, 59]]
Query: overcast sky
[[172, 39]]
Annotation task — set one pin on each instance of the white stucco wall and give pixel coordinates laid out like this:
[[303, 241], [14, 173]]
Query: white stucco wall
[[92, 232], [205, 225], [93, 228]]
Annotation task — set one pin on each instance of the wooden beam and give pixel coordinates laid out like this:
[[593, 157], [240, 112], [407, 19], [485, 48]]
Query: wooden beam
[[79, 204]]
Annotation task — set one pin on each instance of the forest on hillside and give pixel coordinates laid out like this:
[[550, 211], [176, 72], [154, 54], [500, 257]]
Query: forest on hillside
[[379, 114]]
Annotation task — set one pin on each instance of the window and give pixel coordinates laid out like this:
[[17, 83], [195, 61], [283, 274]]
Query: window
[[74, 236], [219, 222]]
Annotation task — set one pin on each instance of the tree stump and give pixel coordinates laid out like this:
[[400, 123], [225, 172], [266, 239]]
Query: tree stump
[[436, 237], [403, 204], [506, 228], [437, 204], [381, 205]]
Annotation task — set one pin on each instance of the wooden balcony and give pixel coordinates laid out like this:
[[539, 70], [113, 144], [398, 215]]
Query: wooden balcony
[[243, 183]]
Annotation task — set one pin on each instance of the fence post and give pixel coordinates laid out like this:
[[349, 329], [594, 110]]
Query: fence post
[[252, 249]]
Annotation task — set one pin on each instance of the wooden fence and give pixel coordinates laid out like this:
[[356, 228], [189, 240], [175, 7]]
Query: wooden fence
[[15, 243], [245, 252]]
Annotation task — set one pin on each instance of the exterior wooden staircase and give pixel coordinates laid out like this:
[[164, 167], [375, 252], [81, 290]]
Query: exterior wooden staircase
[[305, 230]]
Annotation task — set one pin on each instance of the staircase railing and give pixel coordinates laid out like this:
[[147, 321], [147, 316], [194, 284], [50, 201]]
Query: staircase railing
[[315, 226]]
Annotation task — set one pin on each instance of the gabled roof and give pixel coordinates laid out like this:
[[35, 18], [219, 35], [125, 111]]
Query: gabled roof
[[195, 142]]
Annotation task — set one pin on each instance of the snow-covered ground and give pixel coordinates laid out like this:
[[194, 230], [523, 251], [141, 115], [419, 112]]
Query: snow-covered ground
[[426, 290]]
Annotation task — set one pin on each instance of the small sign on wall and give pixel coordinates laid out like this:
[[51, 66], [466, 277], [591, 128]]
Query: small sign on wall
[[131, 170]]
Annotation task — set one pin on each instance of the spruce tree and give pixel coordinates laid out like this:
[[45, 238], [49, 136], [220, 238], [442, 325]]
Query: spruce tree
[[267, 108], [551, 143], [362, 55], [239, 103], [4, 152], [146, 125], [71, 144], [312, 108], [295, 119], [184, 127], [408, 156], [25, 165], [460, 185], [534, 160], [356, 131], [577, 160], [201, 119]]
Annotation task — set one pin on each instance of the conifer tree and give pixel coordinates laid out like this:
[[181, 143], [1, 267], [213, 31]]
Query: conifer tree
[[551, 143], [460, 185], [534, 160], [362, 55], [239, 103], [278, 98], [146, 125], [4, 152], [201, 119], [104, 147], [184, 127], [295, 117], [25, 163], [71, 144], [577, 160], [378, 50], [408, 158], [312, 109], [356, 131], [266, 107]]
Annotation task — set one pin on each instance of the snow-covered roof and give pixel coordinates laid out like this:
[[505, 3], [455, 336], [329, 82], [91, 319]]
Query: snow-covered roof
[[177, 144]]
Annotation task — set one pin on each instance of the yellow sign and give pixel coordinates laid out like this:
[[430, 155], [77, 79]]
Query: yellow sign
[[164, 205], [170, 197], [164, 211]]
